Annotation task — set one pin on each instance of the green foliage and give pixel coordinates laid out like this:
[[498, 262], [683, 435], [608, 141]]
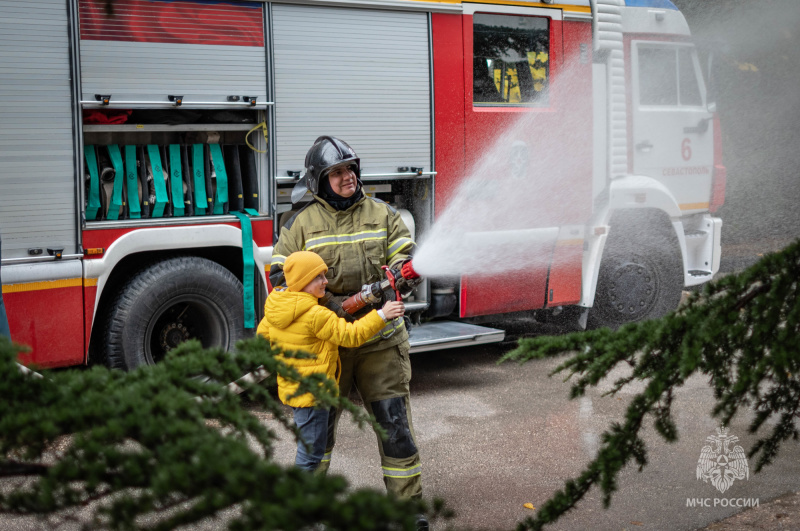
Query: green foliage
[[167, 445], [741, 331]]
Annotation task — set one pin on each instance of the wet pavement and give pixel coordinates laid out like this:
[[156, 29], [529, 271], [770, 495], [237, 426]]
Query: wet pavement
[[494, 437]]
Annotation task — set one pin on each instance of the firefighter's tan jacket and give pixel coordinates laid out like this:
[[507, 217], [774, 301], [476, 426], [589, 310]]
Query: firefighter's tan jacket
[[354, 244], [294, 320]]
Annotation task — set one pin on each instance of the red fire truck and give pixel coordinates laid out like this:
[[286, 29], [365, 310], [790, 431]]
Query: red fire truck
[[149, 150]]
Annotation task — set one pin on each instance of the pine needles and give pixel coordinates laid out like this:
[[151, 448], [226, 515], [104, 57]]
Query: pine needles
[[741, 331]]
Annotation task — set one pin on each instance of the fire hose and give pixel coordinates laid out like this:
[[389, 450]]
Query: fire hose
[[401, 281]]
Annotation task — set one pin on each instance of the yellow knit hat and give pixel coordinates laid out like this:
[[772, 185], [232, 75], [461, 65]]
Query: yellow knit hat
[[301, 267]]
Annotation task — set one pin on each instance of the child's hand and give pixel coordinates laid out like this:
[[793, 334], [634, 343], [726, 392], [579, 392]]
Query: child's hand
[[393, 309]]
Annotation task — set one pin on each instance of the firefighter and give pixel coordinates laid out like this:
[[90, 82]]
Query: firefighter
[[355, 235]]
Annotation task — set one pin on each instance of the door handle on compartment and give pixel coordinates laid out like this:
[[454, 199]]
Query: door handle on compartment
[[644, 145]]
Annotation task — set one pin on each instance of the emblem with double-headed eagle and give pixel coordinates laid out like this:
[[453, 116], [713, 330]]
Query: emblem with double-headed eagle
[[721, 465]]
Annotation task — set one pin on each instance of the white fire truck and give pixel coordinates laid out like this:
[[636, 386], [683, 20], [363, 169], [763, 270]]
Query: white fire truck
[[148, 151]]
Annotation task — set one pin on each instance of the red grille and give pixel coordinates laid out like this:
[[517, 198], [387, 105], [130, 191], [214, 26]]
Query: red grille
[[175, 21]]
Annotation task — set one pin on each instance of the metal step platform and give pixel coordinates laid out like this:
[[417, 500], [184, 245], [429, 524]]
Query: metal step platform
[[438, 335]]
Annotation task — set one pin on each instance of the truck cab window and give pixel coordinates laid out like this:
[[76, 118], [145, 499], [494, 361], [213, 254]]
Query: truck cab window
[[667, 76], [510, 59], [687, 76], [658, 83]]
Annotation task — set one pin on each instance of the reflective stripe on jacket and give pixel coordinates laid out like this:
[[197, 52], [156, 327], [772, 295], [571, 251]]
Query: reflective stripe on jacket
[[354, 243]]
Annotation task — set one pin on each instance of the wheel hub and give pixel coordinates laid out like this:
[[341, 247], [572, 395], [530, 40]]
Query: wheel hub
[[183, 318], [633, 288], [172, 335]]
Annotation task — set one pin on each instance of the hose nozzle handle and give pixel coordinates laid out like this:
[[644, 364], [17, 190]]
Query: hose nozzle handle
[[390, 275]]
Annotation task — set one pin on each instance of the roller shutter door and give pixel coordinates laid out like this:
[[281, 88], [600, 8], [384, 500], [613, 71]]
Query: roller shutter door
[[204, 51], [358, 74], [37, 173]]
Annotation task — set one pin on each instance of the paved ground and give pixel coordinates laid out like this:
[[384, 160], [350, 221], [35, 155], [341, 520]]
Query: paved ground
[[494, 437], [737, 256], [781, 513]]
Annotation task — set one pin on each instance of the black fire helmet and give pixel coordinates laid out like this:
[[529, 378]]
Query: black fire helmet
[[326, 153]]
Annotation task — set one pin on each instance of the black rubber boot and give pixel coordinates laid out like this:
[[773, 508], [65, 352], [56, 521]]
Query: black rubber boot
[[422, 523]]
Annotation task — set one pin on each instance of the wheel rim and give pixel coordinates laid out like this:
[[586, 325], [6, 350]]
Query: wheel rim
[[632, 290], [183, 318]]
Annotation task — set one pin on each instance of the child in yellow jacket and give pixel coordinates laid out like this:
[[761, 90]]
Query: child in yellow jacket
[[294, 320]]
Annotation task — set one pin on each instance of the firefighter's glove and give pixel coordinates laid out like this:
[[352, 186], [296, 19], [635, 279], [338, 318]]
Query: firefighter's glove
[[405, 285], [388, 295], [334, 303]]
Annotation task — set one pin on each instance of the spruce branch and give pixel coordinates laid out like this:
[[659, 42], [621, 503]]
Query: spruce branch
[[170, 445], [10, 468], [740, 331]]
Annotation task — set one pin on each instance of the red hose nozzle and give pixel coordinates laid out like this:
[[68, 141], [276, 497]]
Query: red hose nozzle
[[407, 271]]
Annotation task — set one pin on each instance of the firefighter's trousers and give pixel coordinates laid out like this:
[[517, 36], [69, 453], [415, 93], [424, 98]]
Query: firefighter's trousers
[[382, 378]]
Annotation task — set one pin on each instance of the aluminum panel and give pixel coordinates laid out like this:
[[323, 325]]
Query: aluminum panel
[[360, 74], [37, 184], [144, 71]]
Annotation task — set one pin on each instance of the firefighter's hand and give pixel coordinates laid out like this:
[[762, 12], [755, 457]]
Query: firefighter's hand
[[388, 295], [393, 309], [334, 302], [406, 286]]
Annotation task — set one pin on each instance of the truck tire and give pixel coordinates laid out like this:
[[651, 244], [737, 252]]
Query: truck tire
[[640, 279], [170, 302]]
